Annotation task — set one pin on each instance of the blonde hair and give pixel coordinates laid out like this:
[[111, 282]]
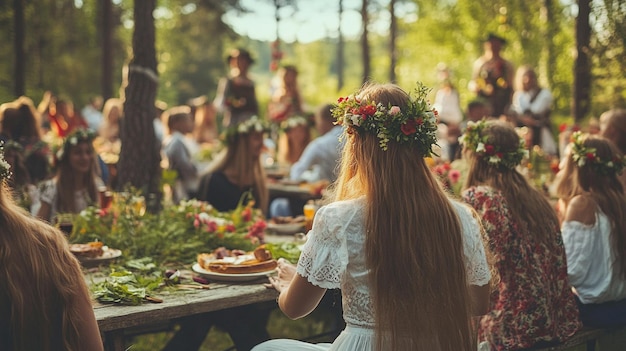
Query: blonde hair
[[605, 189], [413, 233], [67, 179], [40, 282], [249, 172], [527, 205]]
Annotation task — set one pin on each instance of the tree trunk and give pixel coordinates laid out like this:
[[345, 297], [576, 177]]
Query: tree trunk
[[107, 49], [393, 34], [340, 49], [365, 46], [582, 70], [20, 55], [139, 164]]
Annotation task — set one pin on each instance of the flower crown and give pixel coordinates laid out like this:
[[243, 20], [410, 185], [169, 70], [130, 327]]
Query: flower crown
[[414, 125], [474, 140], [5, 167], [253, 124], [77, 136], [294, 121], [582, 156]]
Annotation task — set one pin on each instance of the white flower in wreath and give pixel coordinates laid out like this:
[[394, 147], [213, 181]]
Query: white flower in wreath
[[494, 159], [610, 164], [480, 147], [356, 120], [258, 127], [73, 140]]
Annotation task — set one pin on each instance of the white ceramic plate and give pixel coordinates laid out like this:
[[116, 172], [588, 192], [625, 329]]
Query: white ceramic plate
[[287, 228], [229, 277], [107, 256]]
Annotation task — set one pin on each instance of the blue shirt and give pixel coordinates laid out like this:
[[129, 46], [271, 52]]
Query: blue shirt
[[322, 156]]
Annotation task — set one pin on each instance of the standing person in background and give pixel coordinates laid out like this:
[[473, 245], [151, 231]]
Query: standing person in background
[[387, 246], [532, 105], [112, 113], [92, 114], [286, 101], [531, 303], [492, 76], [44, 300], [236, 96], [613, 127], [448, 105], [179, 155], [204, 117], [594, 228], [76, 183]]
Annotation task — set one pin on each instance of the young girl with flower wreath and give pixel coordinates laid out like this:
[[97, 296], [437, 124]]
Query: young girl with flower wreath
[[594, 228], [531, 302], [76, 184], [409, 260], [44, 300], [237, 170]]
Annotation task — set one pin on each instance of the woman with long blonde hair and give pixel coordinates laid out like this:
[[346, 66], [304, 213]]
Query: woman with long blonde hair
[[238, 169], [594, 228], [409, 260], [44, 301], [531, 303]]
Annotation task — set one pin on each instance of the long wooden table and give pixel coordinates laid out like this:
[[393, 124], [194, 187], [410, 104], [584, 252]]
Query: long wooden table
[[114, 320]]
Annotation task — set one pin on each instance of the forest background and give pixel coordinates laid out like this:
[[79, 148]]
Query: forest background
[[70, 49]]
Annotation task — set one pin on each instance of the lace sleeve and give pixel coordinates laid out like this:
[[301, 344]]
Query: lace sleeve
[[325, 256], [475, 259]]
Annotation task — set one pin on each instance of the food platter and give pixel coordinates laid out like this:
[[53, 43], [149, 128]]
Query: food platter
[[230, 277], [286, 228], [108, 255]]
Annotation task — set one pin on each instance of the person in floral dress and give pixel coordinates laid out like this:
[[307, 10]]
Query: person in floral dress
[[531, 303]]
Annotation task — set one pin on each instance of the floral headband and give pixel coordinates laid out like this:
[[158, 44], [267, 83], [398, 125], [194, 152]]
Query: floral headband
[[293, 122], [5, 167], [414, 125], [582, 156], [474, 140], [77, 136], [253, 124]]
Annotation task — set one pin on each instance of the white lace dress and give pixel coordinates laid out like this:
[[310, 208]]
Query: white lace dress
[[333, 258]]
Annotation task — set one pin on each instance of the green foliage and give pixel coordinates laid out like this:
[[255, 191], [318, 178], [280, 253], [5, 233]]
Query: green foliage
[[175, 235]]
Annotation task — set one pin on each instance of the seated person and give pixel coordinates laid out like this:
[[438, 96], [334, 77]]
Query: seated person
[[319, 160], [76, 184], [592, 200], [178, 153], [237, 170]]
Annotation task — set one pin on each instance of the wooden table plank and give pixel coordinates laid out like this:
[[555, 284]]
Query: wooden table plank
[[176, 305]]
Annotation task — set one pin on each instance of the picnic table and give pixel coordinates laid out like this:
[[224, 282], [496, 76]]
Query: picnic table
[[115, 320]]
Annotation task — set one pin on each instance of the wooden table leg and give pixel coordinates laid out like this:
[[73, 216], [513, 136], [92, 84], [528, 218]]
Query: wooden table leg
[[114, 341]]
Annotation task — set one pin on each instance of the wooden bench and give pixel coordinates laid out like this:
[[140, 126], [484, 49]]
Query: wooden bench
[[586, 336]]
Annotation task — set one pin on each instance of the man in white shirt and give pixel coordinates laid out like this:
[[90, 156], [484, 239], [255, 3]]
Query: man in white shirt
[[320, 158], [92, 113]]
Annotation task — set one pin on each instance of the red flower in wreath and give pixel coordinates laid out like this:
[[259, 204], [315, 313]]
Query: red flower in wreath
[[409, 127]]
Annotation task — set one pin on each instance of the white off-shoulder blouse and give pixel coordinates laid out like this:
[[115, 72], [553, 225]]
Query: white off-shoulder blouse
[[590, 261]]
